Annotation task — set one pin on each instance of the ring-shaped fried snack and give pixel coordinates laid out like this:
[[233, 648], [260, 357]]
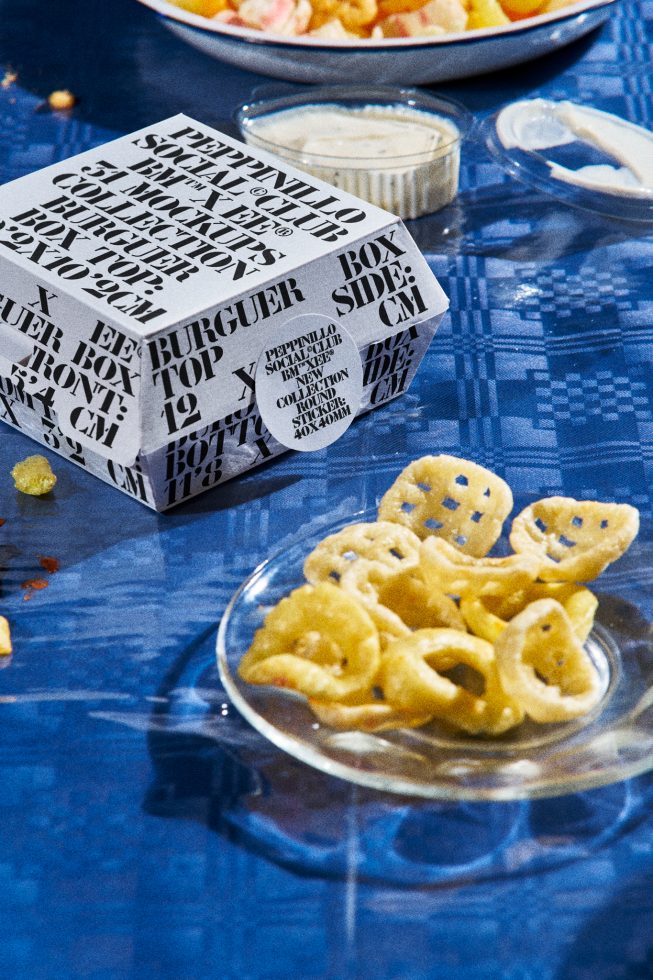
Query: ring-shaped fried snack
[[544, 666], [436, 671], [317, 640], [380, 541], [446, 568], [406, 593], [480, 618], [363, 581], [376, 716], [576, 539], [399, 601], [484, 615], [578, 602], [451, 498]]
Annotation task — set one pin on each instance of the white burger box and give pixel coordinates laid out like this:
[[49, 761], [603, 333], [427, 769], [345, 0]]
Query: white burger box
[[141, 282]]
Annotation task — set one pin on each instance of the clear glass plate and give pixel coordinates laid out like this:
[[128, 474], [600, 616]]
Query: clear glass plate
[[611, 744]]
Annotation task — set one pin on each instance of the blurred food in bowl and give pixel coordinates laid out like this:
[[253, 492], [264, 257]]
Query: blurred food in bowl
[[377, 19], [333, 53]]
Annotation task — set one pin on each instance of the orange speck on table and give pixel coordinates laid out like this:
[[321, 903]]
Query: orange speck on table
[[33, 585], [49, 564]]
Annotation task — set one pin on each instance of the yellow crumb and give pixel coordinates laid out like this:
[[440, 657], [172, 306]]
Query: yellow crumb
[[9, 79], [61, 99], [34, 476], [5, 638]]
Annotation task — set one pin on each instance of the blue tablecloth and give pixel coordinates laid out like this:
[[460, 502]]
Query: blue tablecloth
[[145, 829]]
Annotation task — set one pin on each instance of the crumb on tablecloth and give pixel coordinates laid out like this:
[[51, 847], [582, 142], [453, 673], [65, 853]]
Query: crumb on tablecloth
[[34, 476], [61, 99], [5, 637]]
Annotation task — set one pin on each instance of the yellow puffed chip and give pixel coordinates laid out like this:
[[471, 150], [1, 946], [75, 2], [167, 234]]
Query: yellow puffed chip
[[353, 14], [399, 601], [452, 498], [5, 637], [552, 5], [485, 617], [518, 9], [450, 570], [452, 675], [389, 7], [406, 593], [380, 541], [205, 8], [486, 13], [363, 580], [544, 666], [317, 640], [372, 717], [34, 476], [578, 602], [480, 617], [575, 539]]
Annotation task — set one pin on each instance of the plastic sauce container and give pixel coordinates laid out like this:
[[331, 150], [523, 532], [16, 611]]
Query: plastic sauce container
[[396, 148]]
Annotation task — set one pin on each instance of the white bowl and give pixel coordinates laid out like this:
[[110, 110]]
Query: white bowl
[[407, 61]]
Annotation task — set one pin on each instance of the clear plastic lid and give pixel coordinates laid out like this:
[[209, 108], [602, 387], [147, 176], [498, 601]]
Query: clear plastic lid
[[580, 155]]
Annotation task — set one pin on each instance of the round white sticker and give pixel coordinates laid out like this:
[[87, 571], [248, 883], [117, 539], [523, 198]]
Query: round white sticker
[[309, 382]]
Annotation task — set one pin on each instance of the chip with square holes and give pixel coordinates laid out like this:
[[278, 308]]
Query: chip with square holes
[[576, 539], [385, 542], [451, 498]]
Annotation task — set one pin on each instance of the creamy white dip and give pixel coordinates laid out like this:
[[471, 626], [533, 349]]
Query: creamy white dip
[[396, 136], [401, 159], [540, 125]]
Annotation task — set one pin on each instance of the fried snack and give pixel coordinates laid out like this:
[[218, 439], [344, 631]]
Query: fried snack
[[552, 5], [486, 13], [575, 539], [332, 30], [376, 716], [578, 602], [485, 615], [542, 664], [61, 100], [354, 15], [450, 498], [205, 8], [432, 18], [285, 17], [5, 637], [380, 640], [413, 677], [383, 542], [399, 601], [363, 19], [518, 9], [446, 568], [34, 476], [317, 640], [388, 8]]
